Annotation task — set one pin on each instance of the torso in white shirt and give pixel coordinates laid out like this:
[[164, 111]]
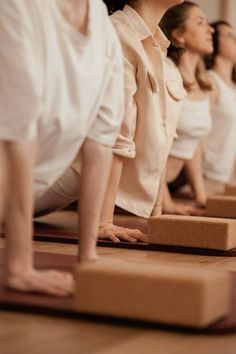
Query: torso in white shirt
[[220, 151]]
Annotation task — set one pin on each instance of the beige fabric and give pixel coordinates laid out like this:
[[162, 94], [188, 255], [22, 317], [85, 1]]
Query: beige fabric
[[57, 84], [153, 94]]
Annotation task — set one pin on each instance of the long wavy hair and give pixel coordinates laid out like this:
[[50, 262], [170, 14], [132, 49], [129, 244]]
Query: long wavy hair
[[175, 18], [211, 58]]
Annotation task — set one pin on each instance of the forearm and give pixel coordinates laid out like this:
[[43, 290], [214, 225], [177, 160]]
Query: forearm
[[18, 208], [157, 210], [168, 203], [96, 162], [195, 175], [111, 191]]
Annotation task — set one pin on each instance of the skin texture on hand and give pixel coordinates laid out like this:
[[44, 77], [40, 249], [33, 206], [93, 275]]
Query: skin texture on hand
[[115, 233]]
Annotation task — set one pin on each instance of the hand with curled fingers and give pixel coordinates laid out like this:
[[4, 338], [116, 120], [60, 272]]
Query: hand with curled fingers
[[108, 230]]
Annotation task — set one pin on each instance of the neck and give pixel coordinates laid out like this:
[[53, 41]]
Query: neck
[[151, 14], [188, 66], [76, 12], [224, 69]]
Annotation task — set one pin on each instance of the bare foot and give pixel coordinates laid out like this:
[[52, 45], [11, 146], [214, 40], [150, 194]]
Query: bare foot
[[116, 233], [50, 282]]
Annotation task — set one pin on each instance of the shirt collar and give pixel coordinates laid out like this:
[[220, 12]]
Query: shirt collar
[[142, 29]]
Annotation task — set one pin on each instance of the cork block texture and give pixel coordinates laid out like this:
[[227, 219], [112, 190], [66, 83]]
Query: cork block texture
[[147, 292], [192, 231], [230, 190], [221, 206]]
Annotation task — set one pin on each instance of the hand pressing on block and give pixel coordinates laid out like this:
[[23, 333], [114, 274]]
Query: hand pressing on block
[[142, 291], [221, 206], [192, 231], [115, 233]]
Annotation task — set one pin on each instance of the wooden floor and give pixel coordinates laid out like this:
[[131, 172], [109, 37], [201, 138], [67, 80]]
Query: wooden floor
[[34, 334]]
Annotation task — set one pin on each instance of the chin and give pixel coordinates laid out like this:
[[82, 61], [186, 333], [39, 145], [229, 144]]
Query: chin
[[208, 50], [175, 2]]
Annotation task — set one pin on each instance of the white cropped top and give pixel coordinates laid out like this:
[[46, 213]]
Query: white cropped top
[[194, 123], [220, 150]]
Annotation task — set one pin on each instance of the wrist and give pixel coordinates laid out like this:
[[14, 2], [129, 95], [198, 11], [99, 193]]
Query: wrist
[[87, 258], [105, 223]]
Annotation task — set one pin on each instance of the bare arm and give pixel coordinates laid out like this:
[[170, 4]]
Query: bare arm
[[157, 210], [19, 159], [96, 162], [107, 228], [195, 177], [112, 188]]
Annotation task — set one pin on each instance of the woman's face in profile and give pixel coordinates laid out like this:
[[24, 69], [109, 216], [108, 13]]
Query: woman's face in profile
[[197, 34], [227, 43]]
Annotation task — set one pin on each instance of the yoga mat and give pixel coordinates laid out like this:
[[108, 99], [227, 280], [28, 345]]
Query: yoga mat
[[62, 227], [41, 304]]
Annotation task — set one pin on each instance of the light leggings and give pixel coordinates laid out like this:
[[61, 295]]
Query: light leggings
[[61, 194]]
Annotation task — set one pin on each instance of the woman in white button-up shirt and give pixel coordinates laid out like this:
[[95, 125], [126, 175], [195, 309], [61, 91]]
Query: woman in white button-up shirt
[[153, 95]]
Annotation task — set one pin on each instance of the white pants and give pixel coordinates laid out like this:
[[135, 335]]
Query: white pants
[[61, 194]]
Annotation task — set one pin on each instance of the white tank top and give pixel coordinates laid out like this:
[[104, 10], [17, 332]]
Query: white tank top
[[220, 151], [194, 123]]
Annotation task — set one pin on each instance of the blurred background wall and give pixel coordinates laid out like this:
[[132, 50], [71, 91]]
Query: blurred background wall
[[212, 8], [219, 9]]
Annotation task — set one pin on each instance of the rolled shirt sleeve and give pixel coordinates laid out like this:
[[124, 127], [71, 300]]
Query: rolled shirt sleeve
[[110, 114], [125, 145], [19, 92]]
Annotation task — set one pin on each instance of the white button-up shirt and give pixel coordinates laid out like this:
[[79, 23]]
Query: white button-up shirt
[[153, 95]]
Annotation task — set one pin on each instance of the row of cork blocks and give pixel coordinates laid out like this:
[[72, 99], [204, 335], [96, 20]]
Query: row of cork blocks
[[165, 294]]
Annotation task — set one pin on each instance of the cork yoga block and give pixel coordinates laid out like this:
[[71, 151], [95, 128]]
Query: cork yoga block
[[192, 231], [221, 206], [230, 190], [154, 293]]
